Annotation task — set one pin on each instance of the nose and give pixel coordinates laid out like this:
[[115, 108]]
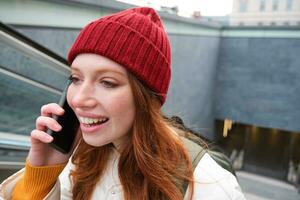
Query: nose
[[83, 96]]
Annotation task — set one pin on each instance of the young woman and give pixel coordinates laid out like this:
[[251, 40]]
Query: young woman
[[126, 149]]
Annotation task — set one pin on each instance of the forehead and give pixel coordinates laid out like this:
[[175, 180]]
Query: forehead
[[94, 62]]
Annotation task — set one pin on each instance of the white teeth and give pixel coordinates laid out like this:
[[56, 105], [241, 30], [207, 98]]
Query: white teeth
[[87, 120]]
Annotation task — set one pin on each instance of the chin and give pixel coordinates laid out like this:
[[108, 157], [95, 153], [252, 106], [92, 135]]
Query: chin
[[93, 142]]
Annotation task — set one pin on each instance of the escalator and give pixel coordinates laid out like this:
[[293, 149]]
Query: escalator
[[30, 76]]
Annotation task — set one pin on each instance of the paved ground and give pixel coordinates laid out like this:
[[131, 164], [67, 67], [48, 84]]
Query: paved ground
[[262, 188]]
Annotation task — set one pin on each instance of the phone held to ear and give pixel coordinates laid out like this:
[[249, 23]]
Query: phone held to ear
[[64, 139]]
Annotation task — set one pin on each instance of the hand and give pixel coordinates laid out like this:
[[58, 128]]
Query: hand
[[41, 153]]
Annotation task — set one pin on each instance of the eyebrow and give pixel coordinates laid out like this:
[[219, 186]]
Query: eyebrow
[[101, 71]]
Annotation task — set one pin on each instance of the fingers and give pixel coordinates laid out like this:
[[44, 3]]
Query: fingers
[[42, 123], [40, 136], [46, 121], [52, 108]]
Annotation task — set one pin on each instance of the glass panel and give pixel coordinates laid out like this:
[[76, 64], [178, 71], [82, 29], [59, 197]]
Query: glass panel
[[29, 79], [20, 104], [13, 155], [35, 67]]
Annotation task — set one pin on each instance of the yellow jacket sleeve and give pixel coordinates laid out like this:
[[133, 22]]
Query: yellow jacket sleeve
[[37, 182]]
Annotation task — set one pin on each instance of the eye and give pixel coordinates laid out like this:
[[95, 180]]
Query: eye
[[108, 84], [73, 79]]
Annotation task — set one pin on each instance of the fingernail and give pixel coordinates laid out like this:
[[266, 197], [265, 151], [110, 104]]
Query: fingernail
[[49, 138], [57, 127], [62, 110]]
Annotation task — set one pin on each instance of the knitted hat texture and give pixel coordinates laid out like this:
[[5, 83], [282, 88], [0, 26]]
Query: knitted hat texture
[[134, 38]]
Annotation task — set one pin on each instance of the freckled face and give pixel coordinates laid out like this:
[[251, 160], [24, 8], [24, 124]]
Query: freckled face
[[101, 97]]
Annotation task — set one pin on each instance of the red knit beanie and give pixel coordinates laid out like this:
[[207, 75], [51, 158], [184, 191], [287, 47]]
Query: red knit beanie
[[134, 38]]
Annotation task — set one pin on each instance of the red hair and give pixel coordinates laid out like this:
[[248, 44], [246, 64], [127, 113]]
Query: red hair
[[154, 163]]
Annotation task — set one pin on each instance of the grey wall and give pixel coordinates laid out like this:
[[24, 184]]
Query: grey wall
[[259, 82], [193, 73], [193, 81]]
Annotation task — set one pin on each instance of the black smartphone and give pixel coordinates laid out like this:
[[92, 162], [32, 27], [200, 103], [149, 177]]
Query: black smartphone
[[64, 139]]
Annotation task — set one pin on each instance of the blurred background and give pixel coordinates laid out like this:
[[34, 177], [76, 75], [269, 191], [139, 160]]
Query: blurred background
[[235, 78]]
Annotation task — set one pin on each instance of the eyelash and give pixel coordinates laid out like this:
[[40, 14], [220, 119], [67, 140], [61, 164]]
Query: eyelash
[[108, 84], [105, 83], [73, 79]]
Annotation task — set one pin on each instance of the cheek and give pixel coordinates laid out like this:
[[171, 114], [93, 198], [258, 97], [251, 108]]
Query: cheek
[[123, 109]]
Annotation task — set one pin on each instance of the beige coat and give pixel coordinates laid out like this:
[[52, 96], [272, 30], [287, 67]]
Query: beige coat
[[212, 182]]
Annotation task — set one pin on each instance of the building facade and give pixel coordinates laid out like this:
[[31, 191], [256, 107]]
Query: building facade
[[265, 13]]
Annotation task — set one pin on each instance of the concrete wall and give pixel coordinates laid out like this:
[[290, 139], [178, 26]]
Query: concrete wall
[[259, 82], [193, 81]]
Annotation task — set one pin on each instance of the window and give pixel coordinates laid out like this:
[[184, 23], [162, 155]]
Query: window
[[275, 5], [289, 4], [243, 5], [262, 5], [260, 24], [286, 23], [241, 23], [273, 23]]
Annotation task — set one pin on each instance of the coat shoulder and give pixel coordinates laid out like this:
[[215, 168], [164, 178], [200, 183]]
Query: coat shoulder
[[214, 182]]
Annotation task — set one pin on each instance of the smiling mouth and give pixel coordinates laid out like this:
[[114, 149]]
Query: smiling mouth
[[88, 122]]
